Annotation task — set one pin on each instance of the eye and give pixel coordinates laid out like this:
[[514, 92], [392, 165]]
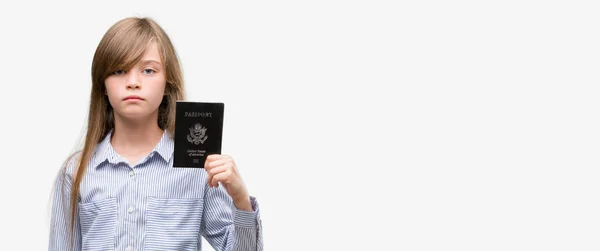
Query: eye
[[149, 71], [119, 72]]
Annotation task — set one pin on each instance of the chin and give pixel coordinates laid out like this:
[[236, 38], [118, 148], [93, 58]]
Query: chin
[[134, 114]]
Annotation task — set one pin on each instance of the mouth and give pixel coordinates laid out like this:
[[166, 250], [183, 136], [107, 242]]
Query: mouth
[[133, 97]]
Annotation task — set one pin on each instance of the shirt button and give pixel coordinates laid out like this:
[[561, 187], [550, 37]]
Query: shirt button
[[131, 173], [128, 248], [130, 210]]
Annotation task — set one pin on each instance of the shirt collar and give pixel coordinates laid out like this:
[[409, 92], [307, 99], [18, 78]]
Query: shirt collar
[[105, 152]]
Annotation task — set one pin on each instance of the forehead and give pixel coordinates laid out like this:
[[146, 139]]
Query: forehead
[[152, 53]]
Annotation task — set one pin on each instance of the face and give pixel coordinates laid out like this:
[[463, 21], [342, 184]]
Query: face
[[137, 92]]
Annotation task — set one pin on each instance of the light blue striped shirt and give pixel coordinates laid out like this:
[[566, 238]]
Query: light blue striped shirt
[[149, 206]]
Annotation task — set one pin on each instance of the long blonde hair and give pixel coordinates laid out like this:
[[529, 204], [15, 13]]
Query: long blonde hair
[[122, 46]]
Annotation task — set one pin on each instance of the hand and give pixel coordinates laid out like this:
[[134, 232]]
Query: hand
[[222, 168]]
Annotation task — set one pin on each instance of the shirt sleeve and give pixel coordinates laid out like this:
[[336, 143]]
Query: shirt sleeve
[[60, 224], [227, 228]]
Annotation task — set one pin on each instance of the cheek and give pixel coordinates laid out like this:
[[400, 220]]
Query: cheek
[[158, 87], [110, 85], [156, 90], [112, 90]]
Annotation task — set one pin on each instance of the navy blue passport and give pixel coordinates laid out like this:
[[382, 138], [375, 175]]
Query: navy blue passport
[[198, 132]]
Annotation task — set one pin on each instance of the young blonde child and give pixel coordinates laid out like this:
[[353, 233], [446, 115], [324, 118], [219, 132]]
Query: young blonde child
[[120, 192]]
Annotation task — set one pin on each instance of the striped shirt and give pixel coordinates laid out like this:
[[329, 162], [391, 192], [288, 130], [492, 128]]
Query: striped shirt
[[149, 206]]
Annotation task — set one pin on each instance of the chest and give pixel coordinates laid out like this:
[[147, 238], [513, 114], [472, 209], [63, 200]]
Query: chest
[[137, 208], [151, 179]]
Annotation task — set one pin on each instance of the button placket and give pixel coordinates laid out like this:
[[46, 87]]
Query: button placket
[[131, 209]]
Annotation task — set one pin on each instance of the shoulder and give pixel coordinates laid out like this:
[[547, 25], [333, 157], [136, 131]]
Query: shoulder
[[65, 173], [70, 164]]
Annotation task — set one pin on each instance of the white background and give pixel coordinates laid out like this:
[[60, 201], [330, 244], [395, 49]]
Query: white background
[[358, 125]]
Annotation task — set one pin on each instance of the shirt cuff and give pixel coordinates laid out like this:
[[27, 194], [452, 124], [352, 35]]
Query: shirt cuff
[[247, 219]]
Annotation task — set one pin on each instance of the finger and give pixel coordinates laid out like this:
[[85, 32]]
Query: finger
[[221, 168], [210, 158], [216, 163], [216, 170], [222, 177], [214, 157], [212, 172]]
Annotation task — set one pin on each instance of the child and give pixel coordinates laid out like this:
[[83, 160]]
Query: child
[[121, 192]]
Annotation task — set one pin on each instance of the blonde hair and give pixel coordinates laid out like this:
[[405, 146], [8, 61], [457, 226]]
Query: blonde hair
[[122, 46]]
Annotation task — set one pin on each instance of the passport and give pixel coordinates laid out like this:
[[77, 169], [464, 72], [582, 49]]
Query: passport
[[198, 132]]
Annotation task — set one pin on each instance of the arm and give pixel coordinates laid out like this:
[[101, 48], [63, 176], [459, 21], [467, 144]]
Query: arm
[[226, 227], [231, 215], [60, 224]]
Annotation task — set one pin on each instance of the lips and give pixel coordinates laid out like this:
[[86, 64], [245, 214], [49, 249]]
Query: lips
[[133, 97]]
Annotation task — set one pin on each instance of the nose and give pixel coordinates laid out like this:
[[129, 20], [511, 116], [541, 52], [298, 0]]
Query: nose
[[133, 86], [133, 82]]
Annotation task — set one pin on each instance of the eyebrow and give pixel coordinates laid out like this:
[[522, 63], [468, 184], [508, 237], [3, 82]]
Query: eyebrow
[[150, 61]]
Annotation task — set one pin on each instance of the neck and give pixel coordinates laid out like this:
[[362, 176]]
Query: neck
[[139, 136]]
